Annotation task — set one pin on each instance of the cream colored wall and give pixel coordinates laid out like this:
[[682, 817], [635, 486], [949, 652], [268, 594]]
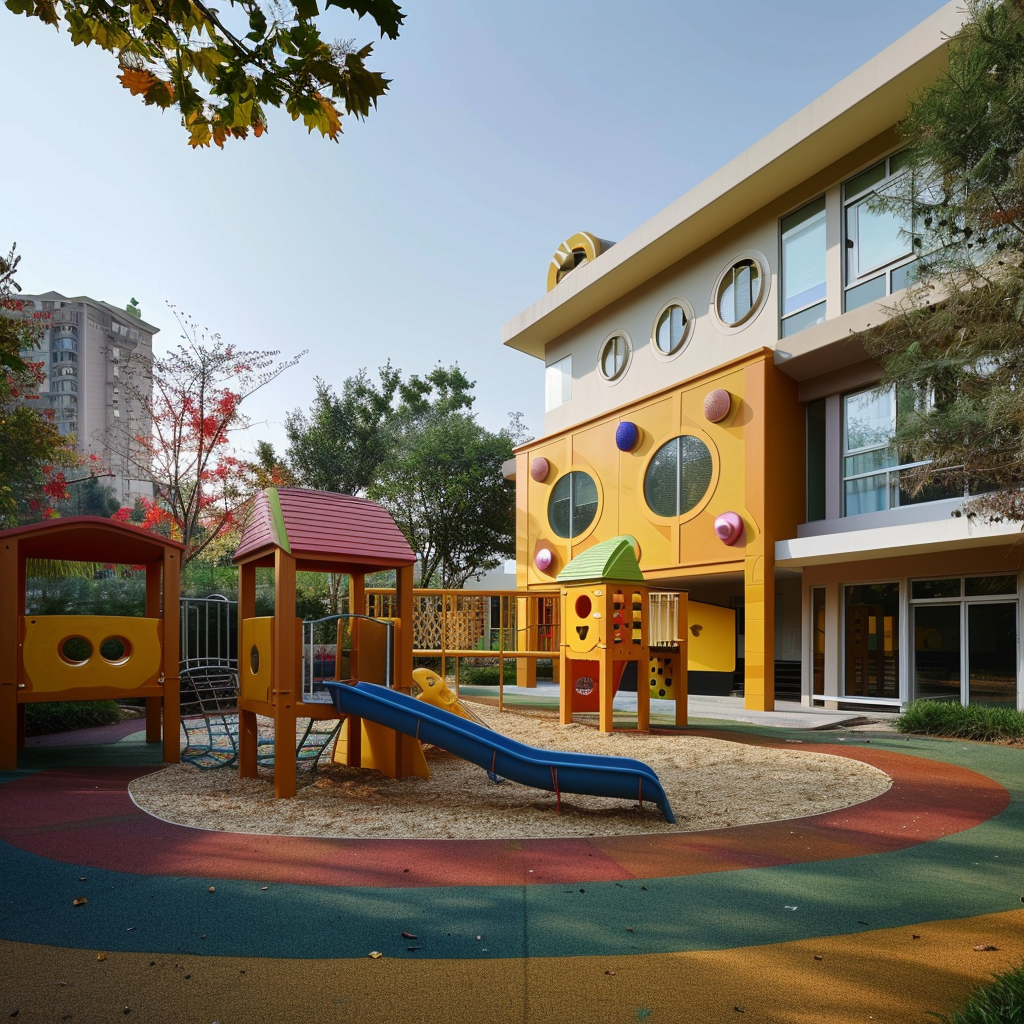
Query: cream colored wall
[[693, 279]]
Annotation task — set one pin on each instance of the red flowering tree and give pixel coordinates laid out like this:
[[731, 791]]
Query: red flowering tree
[[193, 397], [37, 464]]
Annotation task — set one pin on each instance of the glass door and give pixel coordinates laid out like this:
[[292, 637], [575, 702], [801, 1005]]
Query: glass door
[[937, 653], [992, 653]]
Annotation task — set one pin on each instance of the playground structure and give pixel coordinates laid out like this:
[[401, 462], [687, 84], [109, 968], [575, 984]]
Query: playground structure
[[45, 658], [606, 629], [291, 529]]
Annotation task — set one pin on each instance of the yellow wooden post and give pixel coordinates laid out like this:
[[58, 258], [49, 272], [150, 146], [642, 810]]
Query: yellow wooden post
[[606, 687]]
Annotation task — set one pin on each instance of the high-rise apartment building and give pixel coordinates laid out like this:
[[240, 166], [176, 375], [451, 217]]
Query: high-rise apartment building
[[87, 350]]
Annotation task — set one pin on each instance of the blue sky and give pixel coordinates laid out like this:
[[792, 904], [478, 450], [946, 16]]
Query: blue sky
[[508, 128]]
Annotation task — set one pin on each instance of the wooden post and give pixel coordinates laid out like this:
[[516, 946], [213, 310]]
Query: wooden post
[[606, 688], [248, 738], [356, 606], [285, 681], [12, 606], [172, 654], [154, 705]]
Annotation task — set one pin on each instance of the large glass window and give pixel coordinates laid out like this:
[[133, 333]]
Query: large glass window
[[872, 468], [872, 619], [803, 268], [678, 476], [573, 504], [557, 383], [879, 242]]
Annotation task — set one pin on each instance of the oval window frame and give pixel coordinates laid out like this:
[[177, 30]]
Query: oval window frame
[[687, 309], [755, 256], [592, 525], [712, 488], [625, 366]]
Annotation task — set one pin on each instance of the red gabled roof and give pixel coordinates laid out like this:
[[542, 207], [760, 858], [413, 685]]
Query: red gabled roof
[[324, 525], [90, 539]]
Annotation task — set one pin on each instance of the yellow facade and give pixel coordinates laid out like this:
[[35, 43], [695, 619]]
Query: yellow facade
[[764, 487]]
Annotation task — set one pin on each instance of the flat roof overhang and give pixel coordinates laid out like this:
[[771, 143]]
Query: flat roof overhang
[[862, 106], [953, 534]]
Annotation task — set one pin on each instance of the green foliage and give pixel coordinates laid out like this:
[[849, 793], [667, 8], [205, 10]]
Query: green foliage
[[950, 718], [957, 339], [66, 716], [31, 448], [1001, 1001], [107, 592], [443, 485], [89, 498], [222, 69], [486, 675]]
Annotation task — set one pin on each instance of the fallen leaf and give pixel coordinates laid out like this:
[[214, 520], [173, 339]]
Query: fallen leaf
[[816, 957], [78, 901], [629, 929], [264, 888], [409, 935], [212, 888], [375, 955], [101, 956], [915, 936], [984, 948], [609, 972]]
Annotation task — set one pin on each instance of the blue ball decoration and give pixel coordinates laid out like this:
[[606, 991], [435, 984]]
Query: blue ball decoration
[[626, 436]]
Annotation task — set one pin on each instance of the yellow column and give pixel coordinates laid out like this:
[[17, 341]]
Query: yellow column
[[606, 688], [153, 704]]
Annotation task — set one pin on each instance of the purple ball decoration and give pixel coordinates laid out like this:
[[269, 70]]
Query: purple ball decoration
[[543, 559], [626, 436], [539, 469], [728, 528]]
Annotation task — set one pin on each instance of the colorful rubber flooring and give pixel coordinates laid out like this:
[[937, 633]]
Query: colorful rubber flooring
[[869, 913]]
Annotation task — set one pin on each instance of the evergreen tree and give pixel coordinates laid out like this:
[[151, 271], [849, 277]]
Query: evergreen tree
[[957, 340]]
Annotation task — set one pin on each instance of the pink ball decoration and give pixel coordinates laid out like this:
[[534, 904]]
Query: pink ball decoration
[[539, 469], [543, 559], [717, 405], [728, 528]]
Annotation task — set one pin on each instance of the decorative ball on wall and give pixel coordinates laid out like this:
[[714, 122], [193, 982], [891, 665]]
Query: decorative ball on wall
[[539, 469], [627, 435], [728, 528], [717, 405], [543, 559]]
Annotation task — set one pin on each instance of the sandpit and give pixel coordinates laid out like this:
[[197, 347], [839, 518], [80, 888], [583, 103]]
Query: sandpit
[[710, 784]]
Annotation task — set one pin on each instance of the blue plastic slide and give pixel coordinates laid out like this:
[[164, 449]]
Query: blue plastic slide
[[553, 770]]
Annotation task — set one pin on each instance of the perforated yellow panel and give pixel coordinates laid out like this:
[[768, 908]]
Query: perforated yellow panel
[[56, 658]]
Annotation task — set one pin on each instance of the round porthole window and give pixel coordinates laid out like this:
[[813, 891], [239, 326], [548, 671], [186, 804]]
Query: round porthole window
[[614, 358], [678, 477], [573, 504], [739, 292], [672, 329]]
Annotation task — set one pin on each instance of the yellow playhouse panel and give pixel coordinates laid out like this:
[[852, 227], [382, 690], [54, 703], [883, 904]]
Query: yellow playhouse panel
[[256, 658], [77, 652], [378, 750], [711, 638]]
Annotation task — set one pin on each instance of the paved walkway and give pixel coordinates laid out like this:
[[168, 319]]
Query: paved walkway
[[871, 913]]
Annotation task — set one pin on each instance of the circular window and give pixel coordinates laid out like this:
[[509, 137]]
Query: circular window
[[614, 359], [573, 504], [739, 292], [115, 649], [76, 650], [671, 329], [678, 476]]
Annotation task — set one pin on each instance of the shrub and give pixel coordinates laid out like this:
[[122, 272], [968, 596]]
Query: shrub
[[1001, 1001], [949, 718], [486, 675], [65, 716]]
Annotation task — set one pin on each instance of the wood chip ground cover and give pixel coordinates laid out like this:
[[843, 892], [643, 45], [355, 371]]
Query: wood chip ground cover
[[710, 784]]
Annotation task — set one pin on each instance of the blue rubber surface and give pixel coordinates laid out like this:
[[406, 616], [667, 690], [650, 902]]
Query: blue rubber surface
[[561, 771]]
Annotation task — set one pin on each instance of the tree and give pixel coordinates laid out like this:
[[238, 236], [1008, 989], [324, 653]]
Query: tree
[[33, 454], [222, 69], [192, 398], [442, 483], [957, 342]]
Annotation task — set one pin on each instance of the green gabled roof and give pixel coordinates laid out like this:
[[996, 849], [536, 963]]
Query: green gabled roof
[[612, 559]]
